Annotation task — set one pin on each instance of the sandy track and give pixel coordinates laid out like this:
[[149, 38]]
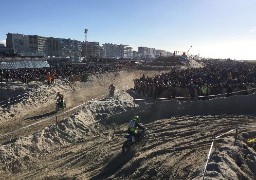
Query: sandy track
[[176, 149], [43, 104]]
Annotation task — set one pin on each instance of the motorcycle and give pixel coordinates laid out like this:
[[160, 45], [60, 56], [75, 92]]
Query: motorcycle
[[140, 140], [60, 104], [111, 92]]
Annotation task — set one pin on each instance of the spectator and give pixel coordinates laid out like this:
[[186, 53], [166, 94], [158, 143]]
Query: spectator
[[216, 77], [49, 78]]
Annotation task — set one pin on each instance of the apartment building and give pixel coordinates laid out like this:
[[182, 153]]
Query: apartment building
[[27, 45], [114, 50], [34, 45], [54, 47], [128, 52], [143, 52], [18, 42], [70, 48], [37, 46], [94, 49]]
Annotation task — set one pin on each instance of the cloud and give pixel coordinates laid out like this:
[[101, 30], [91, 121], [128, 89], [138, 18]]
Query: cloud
[[3, 42], [253, 29]]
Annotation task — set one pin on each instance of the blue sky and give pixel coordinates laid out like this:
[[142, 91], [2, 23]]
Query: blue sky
[[215, 28]]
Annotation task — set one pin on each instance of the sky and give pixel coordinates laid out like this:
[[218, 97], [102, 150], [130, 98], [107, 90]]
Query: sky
[[214, 28]]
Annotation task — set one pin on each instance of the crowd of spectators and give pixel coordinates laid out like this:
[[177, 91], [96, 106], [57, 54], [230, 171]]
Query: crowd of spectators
[[63, 71], [216, 78]]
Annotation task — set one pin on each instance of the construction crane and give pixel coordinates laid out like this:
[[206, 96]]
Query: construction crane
[[189, 49], [85, 35]]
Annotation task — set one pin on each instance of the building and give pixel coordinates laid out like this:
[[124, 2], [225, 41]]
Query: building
[[151, 52], [18, 42], [109, 50], [84, 52], [6, 52], [116, 51], [142, 52], [54, 47], [128, 52], [37, 46], [135, 55], [146, 52], [27, 45], [70, 48], [160, 52], [34, 45], [94, 49]]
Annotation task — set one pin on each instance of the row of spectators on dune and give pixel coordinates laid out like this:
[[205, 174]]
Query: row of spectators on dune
[[64, 71], [217, 77]]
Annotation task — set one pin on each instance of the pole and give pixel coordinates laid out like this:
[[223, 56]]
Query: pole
[[189, 49], [208, 158], [56, 121]]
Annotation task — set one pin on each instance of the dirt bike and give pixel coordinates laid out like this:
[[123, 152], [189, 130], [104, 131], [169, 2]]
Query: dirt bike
[[140, 140], [111, 92], [60, 104]]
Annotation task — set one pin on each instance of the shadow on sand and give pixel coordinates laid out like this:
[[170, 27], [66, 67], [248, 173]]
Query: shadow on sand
[[41, 116], [114, 165]]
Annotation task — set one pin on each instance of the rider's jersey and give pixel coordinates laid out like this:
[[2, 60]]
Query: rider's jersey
[[133, 126], [60, 96], [132, 123], [111, 88]]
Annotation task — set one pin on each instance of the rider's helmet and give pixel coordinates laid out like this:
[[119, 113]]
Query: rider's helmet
[[136, 119], [60, 96]]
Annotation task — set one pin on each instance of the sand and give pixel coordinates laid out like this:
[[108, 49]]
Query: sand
[[86, 140]]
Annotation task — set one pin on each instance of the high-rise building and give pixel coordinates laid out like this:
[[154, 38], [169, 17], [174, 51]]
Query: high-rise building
[[54, 47], [27, 45], [94, 49], [160, 52], [114, 50], [135, 54], [109, 49], [18, 42], [128, 53], [151, 52], [37, 45], [34, 45], [143, 52]]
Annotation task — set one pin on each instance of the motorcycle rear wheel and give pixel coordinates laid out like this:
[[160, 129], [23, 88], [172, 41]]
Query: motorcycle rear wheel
[[57, 108], [126, 146]]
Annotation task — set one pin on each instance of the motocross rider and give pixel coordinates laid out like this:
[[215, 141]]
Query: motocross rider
[[111, 89], [60, 99], [134, 127]]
